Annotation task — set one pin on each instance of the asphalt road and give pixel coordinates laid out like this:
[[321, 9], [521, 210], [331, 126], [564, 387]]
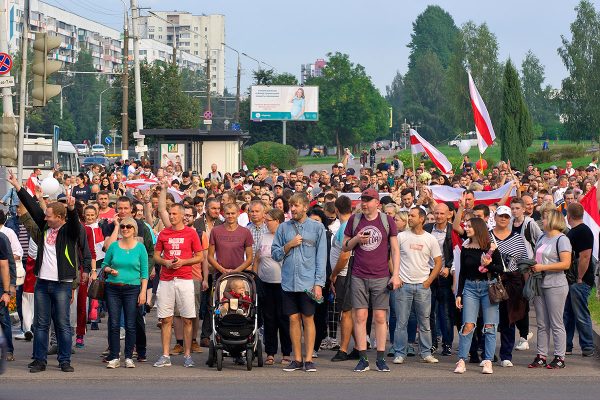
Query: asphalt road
[[413, 380]]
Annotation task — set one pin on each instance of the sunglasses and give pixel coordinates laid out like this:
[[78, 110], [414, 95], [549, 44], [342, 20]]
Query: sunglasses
[[122, 226]]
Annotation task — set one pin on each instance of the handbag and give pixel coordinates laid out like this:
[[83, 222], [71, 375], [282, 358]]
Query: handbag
[[496, 290], [96, 289]]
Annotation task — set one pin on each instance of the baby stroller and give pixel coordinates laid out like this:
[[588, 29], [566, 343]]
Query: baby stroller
[[235, 320]]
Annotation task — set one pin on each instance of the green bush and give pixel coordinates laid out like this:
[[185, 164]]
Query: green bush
[[267, 153], [250, 157], [557, 154]]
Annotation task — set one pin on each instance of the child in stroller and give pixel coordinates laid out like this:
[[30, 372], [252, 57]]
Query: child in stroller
[[230, 303]]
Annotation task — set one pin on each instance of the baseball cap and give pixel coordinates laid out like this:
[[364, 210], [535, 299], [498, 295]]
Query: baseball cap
[[340, 165], [372, 193], [350, 171], [503, 210], [61, 197]]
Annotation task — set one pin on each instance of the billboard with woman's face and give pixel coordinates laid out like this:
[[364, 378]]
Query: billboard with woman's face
[[284, 103]]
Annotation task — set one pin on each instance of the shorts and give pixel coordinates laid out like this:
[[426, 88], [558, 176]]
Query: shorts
[[370, 291], [343, 302], [178, 292], [297, 303], [197, 291]]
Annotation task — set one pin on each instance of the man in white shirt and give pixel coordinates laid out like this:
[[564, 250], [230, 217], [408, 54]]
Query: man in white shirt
[[417, 248]]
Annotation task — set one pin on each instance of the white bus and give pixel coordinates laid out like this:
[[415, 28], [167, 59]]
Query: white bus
[[37, 153]]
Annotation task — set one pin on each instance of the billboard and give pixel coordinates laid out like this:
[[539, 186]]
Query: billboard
[[172, 154], [284, 103]]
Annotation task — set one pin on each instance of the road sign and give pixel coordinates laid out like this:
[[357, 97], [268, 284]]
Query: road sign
[[208, 114], [137, 135], [108, 140], [141, 149], [7, 81], [235, 126], [6, 63], [208, 122]]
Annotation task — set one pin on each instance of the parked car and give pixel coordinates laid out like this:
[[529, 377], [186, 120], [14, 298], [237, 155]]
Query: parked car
[[98, 149], [470, 136], [89, 161], [83, 149]]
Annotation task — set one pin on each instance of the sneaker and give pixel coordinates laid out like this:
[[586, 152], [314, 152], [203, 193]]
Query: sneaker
[[390, 352], [433, 349], [325, 344], [446, 350], [205, 342], [398, 360], [315, 354], [557, 363], [52, 350], [522, 345], [94, 326], [588, 352], [20, 336], [79, 342], [430, 360], [188, 362], [196, 347], [529, 335], [506, 363], [65, 366], [106, 352], [382, 366], [410, 350], [354, 355], [340, 356], [122, 333], [569, 352], [37, 366], [474, 358], [129, 363], [176, 350], [334, 345], [538, 362], [163, 361], [142, 359], [294, 366], [309, 366], [461, 368], [362, 366], [115, 363], [368, 342], [487, 367], [28, 336]]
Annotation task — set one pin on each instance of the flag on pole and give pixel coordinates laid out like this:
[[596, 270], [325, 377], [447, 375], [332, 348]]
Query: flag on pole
[[420, 145], [591, 217], [442, 193], [483, 123], [141, 184]]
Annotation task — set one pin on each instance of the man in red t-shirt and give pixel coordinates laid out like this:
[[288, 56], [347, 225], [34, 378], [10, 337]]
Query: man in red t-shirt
[[177, 249]]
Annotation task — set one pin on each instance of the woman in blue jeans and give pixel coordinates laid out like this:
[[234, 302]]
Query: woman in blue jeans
[[479, 262], [126, 268]]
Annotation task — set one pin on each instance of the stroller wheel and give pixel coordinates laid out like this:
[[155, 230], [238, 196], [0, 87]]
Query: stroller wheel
[[259, 353], [249, 358], [211, 354], [219, 359]]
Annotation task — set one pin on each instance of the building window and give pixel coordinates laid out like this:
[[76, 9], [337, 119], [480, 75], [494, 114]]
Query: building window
[[196, 28], [150, 29], [195, 53], [160, 28], [159, 37], [151, 36]]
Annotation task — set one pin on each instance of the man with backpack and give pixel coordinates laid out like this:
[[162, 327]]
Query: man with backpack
[[372, 237]]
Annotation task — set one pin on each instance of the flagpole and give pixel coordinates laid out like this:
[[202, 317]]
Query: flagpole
[[412, 156], [480, 163]]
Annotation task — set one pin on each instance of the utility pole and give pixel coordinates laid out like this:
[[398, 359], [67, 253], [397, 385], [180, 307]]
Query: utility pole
[[139, 115], [209, 126], [23, 89], [237, 93], [125, 77], [8, 127]]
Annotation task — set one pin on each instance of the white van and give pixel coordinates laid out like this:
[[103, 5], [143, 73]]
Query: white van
[[37, 153]]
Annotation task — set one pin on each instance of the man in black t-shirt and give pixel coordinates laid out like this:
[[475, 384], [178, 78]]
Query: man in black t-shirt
[[577, 313]]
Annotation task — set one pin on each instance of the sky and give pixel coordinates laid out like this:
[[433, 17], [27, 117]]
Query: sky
[[373, 33]]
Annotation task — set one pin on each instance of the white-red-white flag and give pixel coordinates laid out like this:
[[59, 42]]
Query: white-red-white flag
[[442, 193], [420, 145], [591, 217], [483, 123], [141, 184]]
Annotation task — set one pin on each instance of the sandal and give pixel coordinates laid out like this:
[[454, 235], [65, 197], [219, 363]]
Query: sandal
[[270, 360], [286, 360]]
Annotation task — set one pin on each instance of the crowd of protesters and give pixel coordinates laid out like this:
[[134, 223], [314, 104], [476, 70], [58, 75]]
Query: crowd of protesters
[[355, 253]]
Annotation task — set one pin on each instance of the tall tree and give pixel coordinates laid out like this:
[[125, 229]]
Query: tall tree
[[458, 112], [516, 130], [434, 31], [580, 94], [395, 97]]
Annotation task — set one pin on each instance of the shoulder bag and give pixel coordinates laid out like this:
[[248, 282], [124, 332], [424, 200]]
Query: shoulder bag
[[496, 290]]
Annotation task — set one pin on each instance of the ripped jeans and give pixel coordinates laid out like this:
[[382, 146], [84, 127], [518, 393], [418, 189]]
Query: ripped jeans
[[475, 294]]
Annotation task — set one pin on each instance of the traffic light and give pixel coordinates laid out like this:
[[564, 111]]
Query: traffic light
[[42, 68], [8, 141]]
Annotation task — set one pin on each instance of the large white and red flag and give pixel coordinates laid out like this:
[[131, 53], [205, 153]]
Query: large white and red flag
[[483, 123], [420, 145], [141, 184], [442, 193], [591, 217]]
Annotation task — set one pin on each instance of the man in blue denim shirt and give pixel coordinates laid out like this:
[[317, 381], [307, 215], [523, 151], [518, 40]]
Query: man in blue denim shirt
[[301, 244]]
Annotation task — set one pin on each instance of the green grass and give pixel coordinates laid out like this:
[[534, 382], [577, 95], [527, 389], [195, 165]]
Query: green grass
[[594, 307], [492, 154], [317, 160]]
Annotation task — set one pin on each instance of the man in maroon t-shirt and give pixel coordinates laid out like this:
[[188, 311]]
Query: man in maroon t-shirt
[[371, 275], [177, 249], [230, 247]]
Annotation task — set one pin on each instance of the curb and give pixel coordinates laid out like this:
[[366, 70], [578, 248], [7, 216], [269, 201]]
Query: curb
[[596, 330]]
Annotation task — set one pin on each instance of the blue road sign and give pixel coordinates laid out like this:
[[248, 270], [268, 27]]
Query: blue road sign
[[235, 126], [108, 140], [5, 63]]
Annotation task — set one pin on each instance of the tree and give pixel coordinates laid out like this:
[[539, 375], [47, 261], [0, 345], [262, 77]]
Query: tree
[[457, 110], [580, 94], [516, 130], [395, 97], [433, 31], [542, 104]]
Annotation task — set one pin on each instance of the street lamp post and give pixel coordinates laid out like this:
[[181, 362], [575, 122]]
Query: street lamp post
[[237, 93], [99, 130], [61, 99]]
